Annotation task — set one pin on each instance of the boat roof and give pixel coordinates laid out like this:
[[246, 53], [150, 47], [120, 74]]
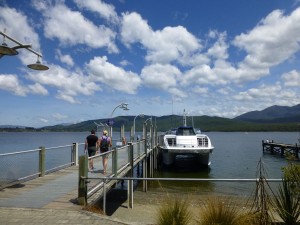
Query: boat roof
[[185, 127]]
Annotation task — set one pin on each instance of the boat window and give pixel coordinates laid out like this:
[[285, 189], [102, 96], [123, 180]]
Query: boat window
[[185, 132]]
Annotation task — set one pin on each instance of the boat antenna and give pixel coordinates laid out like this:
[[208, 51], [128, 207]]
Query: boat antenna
[[184, 118]]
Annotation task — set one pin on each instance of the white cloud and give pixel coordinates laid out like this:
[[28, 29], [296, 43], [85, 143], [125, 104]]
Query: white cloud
[[274, 40], [162, 46], [160, 76], [72, 28], [68, 83], [291, 79], [19, 28], [106, 11], [38, 89], [67, 59], [11, 83], [59, 116], [113, 76]]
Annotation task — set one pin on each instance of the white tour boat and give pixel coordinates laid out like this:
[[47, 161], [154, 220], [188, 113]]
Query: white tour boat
[[185, 141]]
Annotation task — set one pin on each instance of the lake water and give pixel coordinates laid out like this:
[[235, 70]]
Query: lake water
[[236, 155]]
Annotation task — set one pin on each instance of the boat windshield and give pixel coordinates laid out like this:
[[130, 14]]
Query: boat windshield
[[185, 131]]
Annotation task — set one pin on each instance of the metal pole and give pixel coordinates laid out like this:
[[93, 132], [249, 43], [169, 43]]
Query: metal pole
[[104, 195]]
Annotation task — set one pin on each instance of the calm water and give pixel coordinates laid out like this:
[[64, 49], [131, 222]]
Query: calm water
[[236, 155]]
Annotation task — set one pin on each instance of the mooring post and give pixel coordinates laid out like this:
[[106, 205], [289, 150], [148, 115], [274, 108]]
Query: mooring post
[[145, 184], [74, 157], [42, 159], [151, 153], [115, 161], [82, 184], [130, 182]]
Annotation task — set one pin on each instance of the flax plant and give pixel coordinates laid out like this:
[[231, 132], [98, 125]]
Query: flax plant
[[287, 205]]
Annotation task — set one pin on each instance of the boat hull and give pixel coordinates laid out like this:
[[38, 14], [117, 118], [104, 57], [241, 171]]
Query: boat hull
[[202, 156]]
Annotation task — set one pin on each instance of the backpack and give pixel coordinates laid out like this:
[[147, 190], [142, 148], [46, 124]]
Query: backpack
[[104, 144]]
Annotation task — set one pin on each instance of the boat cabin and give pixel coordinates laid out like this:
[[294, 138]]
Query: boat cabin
[[185, 131]]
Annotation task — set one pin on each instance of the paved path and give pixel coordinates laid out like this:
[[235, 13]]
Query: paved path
[[52, 200]]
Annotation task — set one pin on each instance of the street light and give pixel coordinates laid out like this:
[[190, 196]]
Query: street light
[[142, 116], [5, 50], [148, 119], [123, 106]]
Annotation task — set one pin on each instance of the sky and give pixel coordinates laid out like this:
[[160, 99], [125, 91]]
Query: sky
[[209, 57]]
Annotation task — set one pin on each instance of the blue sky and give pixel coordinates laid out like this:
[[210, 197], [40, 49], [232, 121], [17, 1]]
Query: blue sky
[[209, 57]]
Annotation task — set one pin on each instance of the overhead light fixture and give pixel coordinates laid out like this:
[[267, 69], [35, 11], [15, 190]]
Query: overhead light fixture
[[5, 50], [38, 65]]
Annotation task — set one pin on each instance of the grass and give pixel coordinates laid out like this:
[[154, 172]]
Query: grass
[[218, 211], [174, 212]]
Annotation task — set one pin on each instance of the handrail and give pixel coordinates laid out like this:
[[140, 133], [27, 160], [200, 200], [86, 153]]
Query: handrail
[[183, 179]]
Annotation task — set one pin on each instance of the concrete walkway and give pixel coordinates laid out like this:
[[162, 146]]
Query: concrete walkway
[[52, 200]]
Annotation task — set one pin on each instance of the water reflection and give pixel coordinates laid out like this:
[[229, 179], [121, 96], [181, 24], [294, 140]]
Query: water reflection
[[184, 167]]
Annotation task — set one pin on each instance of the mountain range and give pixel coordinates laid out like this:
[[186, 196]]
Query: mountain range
[[274, 118]]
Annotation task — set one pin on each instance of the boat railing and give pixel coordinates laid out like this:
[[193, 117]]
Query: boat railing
[[17, 167]]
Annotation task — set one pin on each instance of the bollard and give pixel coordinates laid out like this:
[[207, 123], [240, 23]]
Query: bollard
[[42, 156], [82, 184]]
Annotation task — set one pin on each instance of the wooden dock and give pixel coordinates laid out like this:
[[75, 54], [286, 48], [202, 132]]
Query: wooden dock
[[285, 150]]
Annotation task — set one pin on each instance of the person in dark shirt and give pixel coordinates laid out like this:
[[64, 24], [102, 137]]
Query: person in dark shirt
[[91, 145]]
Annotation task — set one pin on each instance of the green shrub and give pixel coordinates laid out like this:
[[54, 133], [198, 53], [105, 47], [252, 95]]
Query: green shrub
[[287, 205]]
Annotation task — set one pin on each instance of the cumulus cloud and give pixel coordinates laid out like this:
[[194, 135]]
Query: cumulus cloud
[[162, 46], [160, 76], [21, 30], [11, 83], [66, 59], [106, 11], [113, 76], [72, 28], [69, 83], [268, 44], [291, 79]]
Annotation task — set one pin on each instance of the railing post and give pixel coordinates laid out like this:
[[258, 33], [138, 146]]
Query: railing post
[[74, 157], [82, 184], [115, 162], [42, 155], [145, 166], [130, 182]]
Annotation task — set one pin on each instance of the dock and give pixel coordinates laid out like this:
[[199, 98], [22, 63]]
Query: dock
[[284, 150], [63, 193]]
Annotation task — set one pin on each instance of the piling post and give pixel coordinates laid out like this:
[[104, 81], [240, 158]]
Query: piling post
[[42, 159], [115, 161], [145, 184], [130, 182], [74, 155], [82, 184], [151, 153]]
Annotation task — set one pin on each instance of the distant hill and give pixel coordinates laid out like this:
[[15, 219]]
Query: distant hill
[[164, 123], [273, 114], [274, 118]]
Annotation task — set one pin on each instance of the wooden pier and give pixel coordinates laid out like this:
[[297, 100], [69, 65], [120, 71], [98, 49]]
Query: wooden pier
[[281, 149]]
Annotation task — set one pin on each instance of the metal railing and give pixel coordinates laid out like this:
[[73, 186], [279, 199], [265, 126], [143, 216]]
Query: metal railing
[[105, 181], [121, 161], [17, 167]]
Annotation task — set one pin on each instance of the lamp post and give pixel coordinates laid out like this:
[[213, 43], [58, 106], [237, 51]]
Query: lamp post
[[123, 106], [148, 119], [5, 50], [140, 115]]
